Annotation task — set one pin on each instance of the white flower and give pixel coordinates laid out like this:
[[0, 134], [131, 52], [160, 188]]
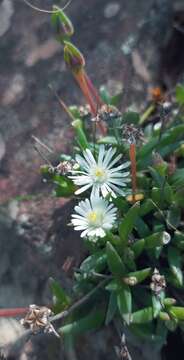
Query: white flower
[[94, 217], [100, 174]]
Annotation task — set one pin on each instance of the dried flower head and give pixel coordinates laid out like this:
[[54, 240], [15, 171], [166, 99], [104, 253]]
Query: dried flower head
[[132, 134], [158, 282], [37, 319], [107, 113], [64, 167], [123, 352], [85, 111]]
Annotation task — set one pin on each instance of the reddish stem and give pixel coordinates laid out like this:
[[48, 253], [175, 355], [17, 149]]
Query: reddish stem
[[93, 90], [12, 312], [81, 80], [132, 153]]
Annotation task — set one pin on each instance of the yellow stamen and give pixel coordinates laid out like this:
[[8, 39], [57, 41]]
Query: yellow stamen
[[92, 216], [99, 173]]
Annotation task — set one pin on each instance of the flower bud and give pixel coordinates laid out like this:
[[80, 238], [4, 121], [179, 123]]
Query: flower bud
[[63, 25], [131, 280], [73, 57]]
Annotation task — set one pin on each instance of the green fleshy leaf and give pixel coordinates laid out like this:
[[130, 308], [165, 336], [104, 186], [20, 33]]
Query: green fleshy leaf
[[169, 301], [175, 263], [178, 240], [178, 312], [146, 207], [62, 300], [105, 95], [108, 140], [95, 262], [157, 239], [159, 180], [142, 316], [139, 275], [116, 99], [138, 247], [112, 308], [114, 261], [174, 215], [80, 134], [141, 227], [124, 301], [113, 285], [131, 117], [157, 303], [92, 321], [129, 259], [180, 94], [128, 223]]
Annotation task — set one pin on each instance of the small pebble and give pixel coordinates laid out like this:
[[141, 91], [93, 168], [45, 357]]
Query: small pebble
[[111, 10]]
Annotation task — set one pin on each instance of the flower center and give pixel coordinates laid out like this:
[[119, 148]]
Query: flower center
[[94, 218], [99, 174]]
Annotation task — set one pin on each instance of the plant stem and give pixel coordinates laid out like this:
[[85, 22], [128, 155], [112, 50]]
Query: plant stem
[[147, 113], [12, 312], [78, 303], [132, 153], [80, 78], [83, 82], [93, 90]]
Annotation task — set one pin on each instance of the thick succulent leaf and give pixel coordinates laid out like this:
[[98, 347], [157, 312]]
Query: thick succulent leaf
[[113, 285], [138, 247], [92, 321], [142, 316], [174, 215], [124, 301], [95, 262], [128, 223], [80, 134], [175, 263], [180, 94], [141, 227], [157, 303], [115, 263], [139, 275], [178, 312], [131, 117], [61, 299], [112, 307]]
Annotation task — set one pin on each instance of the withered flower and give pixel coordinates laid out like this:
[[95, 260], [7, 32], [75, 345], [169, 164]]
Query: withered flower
[[84, 110], [122, 351], [64, 167], [132, 134], [107, 113], [158, 282], [37, 319]]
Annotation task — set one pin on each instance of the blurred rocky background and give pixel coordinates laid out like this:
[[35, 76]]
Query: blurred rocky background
[[129, 46]]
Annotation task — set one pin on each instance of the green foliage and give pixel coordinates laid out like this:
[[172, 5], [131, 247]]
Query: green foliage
[[139, 262]]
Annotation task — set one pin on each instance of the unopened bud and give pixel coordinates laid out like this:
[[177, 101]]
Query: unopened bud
[[62, 24], [73, 57], [131, 280]]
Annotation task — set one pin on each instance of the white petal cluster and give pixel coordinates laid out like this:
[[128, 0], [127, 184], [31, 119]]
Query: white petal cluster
[[94, 217], [100, 174]]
